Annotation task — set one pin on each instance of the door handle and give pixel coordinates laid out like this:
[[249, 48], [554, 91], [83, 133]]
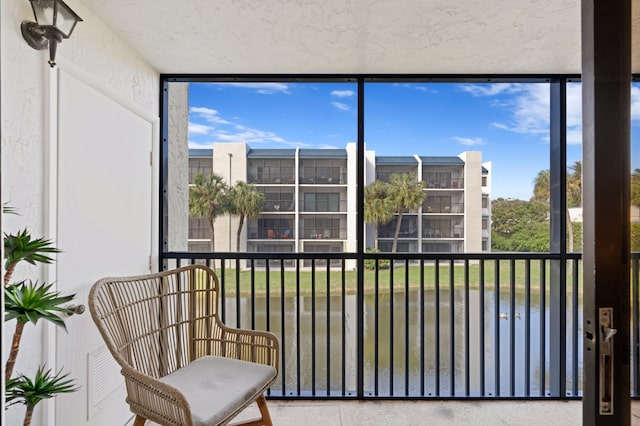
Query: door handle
[[606, 337], [75, 309]]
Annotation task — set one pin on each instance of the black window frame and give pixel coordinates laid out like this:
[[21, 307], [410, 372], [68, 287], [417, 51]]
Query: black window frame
[[557, 147]]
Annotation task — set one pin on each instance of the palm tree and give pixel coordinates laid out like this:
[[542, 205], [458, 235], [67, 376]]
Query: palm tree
[[574, 185], [30, 303], [542, 192], [208, 200], [542, 186], [406, 194], [377, 206], [31, 392], [245, 201]]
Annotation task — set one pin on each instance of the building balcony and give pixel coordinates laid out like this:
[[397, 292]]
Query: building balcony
[[273, 233], [327, 206], [324, 234], [279, 206], [457, 183], [336, 179], [443, 233], [386, 175], [430, 207], [323, 175], [272, 178]]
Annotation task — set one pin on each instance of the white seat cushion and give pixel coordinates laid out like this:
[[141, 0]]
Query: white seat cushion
[[216, 387]]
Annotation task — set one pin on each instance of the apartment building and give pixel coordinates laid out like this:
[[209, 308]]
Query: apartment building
[[310, 200]]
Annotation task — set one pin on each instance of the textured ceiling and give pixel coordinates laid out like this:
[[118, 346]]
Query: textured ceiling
[[351, 36]]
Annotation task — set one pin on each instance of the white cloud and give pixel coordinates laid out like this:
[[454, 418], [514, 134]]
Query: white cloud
[[423, 89], [211, 115], [240, 133], [574, 114], [499, 126], [262, 88], [529, 106], [229, 131], [199, 129], [340, 106], [326, 146], [468, 141], [200, 145], [416, 86], [486, 89], [343, 93]]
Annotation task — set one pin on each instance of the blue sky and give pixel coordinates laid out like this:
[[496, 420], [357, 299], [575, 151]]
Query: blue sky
[[508, 122]]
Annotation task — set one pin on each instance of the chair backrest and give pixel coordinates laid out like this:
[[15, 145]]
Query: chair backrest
[[152, 323]]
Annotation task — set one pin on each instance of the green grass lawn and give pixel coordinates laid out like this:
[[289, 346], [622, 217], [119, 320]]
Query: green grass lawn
[[289, 282]]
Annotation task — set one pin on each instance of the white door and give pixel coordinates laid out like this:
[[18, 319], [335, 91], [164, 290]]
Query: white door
[[104, 228]]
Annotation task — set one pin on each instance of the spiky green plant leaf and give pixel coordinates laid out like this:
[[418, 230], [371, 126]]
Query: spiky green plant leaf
[[22, 247], [7, 209], [32, 302], [44, 385]]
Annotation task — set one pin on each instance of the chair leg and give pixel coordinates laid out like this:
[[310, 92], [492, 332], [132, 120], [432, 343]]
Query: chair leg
[[265, 420], [139, 421], [264, 410]]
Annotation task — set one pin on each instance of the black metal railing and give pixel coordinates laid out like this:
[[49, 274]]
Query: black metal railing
[[433, 325]]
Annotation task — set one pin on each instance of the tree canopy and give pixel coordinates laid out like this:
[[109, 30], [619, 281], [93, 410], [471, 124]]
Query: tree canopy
[[208, 200], [402, 194], [245, 200], [377, 206]]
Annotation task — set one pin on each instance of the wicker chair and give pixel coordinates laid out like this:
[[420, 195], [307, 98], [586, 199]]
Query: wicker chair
[[182, 366]]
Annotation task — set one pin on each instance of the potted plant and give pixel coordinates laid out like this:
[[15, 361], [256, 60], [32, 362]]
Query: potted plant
[[28, 302]]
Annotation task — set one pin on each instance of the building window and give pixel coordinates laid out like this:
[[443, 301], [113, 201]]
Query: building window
[[485, 202], [199, 229], [322, 171], [199, 166], [321, 202], [271, 171]]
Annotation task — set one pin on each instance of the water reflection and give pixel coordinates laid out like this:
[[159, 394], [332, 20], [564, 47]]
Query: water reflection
[[414, 343]]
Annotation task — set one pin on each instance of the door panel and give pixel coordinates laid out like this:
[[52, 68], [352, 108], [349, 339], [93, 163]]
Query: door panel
[[104, 221]]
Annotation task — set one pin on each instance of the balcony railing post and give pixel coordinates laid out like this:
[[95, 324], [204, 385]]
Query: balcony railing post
[[558, 268]]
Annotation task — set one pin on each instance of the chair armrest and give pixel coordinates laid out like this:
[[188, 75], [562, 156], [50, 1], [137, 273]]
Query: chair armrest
[[155, 400], [261, 347]]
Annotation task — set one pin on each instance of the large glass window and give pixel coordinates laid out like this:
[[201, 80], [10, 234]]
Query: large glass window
[[260, 160], [478, 154], [467, 144]]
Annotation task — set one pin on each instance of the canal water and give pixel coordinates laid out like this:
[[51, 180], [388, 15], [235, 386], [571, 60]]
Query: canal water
[[415, 344]]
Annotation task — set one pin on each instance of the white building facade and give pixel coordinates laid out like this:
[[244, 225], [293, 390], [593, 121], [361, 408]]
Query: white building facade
[[310, 200]]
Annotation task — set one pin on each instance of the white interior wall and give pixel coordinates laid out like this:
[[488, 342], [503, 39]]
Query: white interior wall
[[24, 86]]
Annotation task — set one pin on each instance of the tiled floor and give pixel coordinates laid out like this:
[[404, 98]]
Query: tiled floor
[[432, 413]]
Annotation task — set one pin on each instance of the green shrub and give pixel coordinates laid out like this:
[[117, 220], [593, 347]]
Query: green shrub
[[370, 264]]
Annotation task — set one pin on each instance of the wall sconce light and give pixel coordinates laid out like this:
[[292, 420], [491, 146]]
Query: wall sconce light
[[54, 22]]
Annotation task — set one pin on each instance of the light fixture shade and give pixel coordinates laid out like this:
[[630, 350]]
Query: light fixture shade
[[43, 10], [54, 16]]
